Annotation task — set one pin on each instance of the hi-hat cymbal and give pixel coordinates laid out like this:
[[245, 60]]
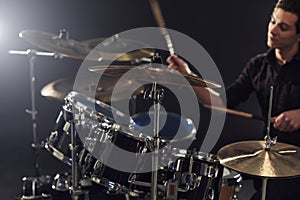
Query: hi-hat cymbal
[[115, 48], [250, 157], [55, 43], [59, 89], [151, 74]]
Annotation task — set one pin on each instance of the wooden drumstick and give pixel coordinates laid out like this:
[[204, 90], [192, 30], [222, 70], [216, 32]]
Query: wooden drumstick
[[234, 112], [161, 23]]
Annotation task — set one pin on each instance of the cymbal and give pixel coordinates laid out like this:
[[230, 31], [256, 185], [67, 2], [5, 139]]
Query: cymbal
[[115, 48], [55, 43], [59, 89], [250, 157], [151, 73]]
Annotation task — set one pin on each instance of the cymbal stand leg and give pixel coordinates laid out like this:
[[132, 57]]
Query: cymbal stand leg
[[264, 189]]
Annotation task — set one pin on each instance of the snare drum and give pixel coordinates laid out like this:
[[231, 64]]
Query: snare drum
[[231, 185]]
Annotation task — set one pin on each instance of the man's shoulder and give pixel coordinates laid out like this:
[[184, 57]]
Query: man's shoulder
[[260, 56], [261, 59]]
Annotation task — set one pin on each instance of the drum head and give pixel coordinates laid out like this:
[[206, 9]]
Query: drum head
[[173, 127]]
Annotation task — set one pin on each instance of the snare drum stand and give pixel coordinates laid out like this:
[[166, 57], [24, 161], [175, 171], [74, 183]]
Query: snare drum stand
[[39, 180]]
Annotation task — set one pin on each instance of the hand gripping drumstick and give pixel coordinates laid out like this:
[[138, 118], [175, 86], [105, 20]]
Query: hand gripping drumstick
[[161, 23]]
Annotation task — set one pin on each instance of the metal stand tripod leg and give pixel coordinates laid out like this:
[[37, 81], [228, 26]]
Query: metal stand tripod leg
[[264, 189]]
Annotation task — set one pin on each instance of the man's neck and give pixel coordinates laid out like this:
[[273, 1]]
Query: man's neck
[[287, 54]]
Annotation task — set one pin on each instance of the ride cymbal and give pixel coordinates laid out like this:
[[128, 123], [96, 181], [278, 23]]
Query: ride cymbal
[[250, 157], [151, 74]]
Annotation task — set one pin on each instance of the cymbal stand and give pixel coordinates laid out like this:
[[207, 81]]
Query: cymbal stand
[[156, 95], [33, 112], [269, 142]]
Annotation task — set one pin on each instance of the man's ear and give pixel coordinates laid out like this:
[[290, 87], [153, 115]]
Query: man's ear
[[298, 37]]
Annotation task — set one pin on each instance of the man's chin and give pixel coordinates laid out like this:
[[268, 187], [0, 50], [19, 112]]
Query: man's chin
[[271, 45]]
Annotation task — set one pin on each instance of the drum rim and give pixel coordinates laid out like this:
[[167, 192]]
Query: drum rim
[[54, 151], [200, 155], [128, 128]]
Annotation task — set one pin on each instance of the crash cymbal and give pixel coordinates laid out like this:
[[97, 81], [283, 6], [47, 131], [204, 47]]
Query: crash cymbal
[[59, 89], [151, 74], [59, 44], [112, 49], [115, 48], [250, 157]]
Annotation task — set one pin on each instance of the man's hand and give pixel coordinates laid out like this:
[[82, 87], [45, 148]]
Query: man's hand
[[205, 95], [179, 65], [287, 121]]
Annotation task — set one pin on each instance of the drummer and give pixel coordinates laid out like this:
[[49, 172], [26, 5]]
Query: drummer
[[278, 66]]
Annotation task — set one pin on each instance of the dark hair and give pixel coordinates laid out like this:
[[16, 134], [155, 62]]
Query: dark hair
[[292, 6]]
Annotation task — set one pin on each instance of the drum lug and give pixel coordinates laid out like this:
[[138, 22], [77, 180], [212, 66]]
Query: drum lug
[[66, 127], [190, 180], [142, 150], [98, 166], [73, 147], [212, 172], [52, 136], [149, 144], [210, 195]]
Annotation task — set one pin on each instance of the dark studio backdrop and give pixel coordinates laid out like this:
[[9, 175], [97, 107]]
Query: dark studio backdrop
[[231, 31]]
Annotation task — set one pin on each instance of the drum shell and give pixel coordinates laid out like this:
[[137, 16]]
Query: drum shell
[[114, 180], [199, 174], [59, 141]]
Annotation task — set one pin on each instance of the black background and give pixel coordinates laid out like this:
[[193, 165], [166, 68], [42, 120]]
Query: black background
[[231, 31]]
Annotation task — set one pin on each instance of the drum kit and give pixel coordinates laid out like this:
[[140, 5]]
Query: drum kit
[[86, 128], [91, 136]]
